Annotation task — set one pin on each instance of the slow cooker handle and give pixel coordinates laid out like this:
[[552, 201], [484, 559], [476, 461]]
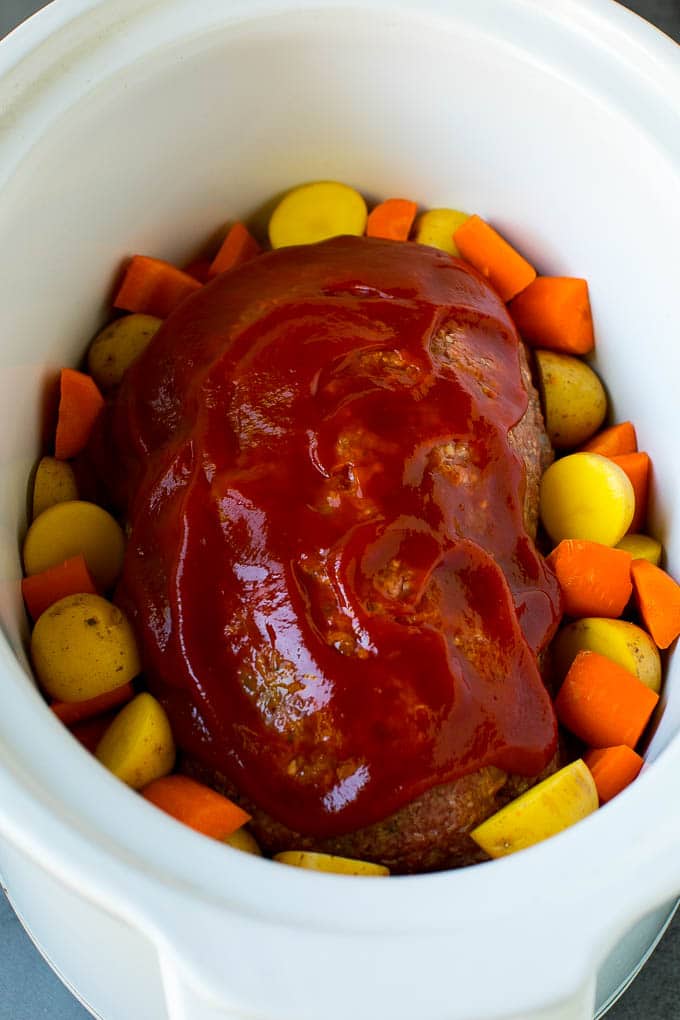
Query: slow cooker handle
[[184, 1002]]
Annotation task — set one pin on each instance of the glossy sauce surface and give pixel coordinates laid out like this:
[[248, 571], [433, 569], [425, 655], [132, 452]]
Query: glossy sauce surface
[[328, 568]]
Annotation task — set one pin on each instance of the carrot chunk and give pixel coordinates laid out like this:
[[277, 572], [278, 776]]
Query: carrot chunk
[[602, 703], [613, 768], [485, 249], [658, 599], [614, 441], [72, 712], [71, 577], [637, 466], [198, 806], [238, 246], [594, 578], [79, 405], [554, 312], [392, 219], [154, 287]]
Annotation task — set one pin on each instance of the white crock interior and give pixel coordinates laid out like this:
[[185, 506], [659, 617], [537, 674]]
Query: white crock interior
[[139, 128]]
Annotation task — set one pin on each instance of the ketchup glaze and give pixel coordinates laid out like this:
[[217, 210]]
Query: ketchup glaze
[[328, 570]]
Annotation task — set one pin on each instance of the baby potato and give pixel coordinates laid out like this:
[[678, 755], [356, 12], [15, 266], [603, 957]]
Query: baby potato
[[72, 527], [586, 496], [436, 227], [54, 482], [119, 344], [315, 212], [83, 646], [549, 807], [245, 841], [642, 547], [623, 642], [574, 400], [329, 863], [138, 746]]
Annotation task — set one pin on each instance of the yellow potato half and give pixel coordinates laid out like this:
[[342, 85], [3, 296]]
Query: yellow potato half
[[330, 863], [245, 841], [436, 227], [574, 400], [623, 642], [586, 496], [138, 746], [73, 527], [54, 482], [315, 212], [642, 547], [549, 807], [120, 343], [83, 646]]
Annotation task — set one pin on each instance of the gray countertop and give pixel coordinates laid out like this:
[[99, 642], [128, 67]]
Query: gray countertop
[[28, 988]]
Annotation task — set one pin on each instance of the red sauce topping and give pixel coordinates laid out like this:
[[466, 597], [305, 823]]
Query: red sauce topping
[[328, 568]]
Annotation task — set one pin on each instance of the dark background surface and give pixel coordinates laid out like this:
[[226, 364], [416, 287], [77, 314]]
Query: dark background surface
[[28, 988]]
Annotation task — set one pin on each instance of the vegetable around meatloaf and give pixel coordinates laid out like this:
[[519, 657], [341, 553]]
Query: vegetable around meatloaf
[[329, 463]]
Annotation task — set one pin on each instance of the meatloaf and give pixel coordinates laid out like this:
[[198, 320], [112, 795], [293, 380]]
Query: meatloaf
[[329, 463]]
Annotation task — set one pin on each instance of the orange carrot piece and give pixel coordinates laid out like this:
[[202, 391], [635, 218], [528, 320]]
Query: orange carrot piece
[[199, 269], [72, 712], [68, 578], [239, 246], [90, 731], [392, 219], [554, 312], [637, 466], [153, 287], [658, 599], [595, 579], [613, 769], [198, 806], [614, 441], [493, 257], [602, 703], [79, 405]]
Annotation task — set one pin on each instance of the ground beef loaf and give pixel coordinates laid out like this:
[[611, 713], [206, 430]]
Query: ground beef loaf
[[187, 416], [430, 833]]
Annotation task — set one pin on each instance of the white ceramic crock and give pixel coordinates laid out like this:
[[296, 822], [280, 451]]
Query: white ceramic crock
[[131, 125]]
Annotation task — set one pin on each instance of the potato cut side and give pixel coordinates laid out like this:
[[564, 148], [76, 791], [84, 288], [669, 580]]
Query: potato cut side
[[549, 807], [138, 746], [330, 863], [244, 840], [315, 212]]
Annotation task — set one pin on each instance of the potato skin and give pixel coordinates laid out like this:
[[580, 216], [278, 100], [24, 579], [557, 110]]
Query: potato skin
[[73, 527], [574, 400], [120, 343], [54, 482], [244, 840], [138, 746], [625, 643], [83, 646]]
